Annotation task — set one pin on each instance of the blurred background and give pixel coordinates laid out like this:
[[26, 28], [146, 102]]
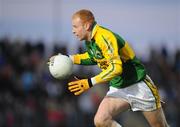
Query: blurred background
[[33, 30]]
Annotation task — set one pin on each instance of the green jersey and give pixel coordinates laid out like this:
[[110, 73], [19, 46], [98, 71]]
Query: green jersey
[[114, 56]]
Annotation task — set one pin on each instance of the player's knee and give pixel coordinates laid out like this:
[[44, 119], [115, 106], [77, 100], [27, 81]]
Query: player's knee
[[101, 121], [98, 122]]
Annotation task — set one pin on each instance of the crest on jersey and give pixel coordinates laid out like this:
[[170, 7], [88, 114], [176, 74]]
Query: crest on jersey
[[96, 53]]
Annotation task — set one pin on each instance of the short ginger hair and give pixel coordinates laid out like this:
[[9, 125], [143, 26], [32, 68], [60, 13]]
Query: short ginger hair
[[85, 16]]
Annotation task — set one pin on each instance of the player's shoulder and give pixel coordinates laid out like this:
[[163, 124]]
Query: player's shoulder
[[104, 32], [103, 29]]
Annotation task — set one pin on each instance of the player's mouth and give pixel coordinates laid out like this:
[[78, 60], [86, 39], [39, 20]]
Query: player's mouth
[[77, 36]]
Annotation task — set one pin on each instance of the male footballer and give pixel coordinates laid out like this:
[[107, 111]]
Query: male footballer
[[129, 85]]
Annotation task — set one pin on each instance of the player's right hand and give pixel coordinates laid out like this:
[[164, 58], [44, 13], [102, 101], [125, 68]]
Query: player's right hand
[[79, 86]]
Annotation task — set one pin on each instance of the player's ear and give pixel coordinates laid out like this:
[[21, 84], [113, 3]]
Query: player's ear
[[87, 26]]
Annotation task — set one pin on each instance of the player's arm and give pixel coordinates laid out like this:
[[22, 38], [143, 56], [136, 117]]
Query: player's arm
[[80, 85], [109, 49], [82, 59], [114, 68]]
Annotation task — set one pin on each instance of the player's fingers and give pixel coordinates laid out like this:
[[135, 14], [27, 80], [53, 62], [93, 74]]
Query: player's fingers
[[72, 83], [73, 87], [51, 58], [78, 92]]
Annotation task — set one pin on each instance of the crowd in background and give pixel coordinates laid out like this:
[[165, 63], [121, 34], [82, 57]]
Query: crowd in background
[[30, 97]]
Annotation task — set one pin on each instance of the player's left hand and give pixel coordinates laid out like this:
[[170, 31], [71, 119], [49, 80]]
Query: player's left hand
[[79, 86]]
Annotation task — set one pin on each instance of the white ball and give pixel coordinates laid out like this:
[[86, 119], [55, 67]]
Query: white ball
[[61, 67]]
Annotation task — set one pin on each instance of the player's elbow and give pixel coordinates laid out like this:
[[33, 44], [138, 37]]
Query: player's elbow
[[118, 69]]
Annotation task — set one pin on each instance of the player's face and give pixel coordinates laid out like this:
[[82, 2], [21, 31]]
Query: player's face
[[78, 29]]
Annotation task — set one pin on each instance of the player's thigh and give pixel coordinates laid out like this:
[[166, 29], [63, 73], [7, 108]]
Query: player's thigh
[[156, 118], [110, 107]]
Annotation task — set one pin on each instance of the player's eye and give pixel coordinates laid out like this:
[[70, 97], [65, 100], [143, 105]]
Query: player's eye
[[74, 26]]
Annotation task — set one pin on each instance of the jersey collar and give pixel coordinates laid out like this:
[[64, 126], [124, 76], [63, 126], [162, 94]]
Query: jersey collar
[[94, 29]]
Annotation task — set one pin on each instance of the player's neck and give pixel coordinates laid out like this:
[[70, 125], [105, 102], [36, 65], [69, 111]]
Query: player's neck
[[89, 36]]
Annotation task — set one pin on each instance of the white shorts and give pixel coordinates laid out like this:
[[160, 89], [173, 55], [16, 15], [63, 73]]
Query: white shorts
[[142, 96]]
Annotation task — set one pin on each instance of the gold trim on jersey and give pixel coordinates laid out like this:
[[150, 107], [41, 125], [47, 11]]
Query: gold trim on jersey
[[78, 57], [154, 91], [107, 73], [127, 52], [94, 30], [112, 71]]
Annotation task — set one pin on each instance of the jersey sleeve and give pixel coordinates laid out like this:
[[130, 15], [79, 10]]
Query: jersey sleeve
[[106, 75], [109, 47], [83, 59]]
